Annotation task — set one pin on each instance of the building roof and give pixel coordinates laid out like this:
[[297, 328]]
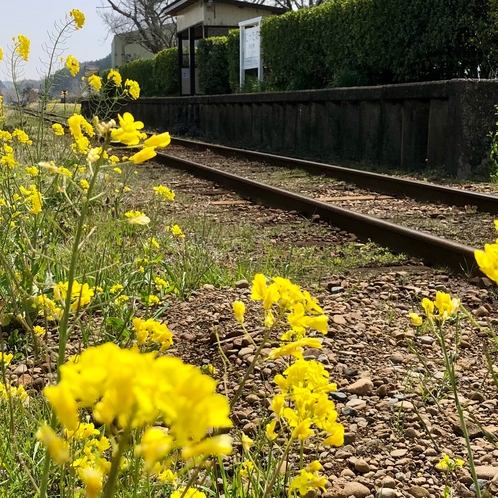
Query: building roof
[[178, 5]]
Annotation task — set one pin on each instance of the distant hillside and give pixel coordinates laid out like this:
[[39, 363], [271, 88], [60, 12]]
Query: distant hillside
[[65, 81]]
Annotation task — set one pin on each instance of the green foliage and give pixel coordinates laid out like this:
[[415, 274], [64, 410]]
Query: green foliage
[[233, 54], [141, 71], [359, 42], [166, 73], [212, 60], [157, 77]]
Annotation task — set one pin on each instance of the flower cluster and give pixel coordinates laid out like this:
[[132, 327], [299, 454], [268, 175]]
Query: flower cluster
[[439, 310], [303, 402], [488, 259], [78, 17], [308, 479], [73, 65], [128, 390], [81, 294], [152, 331], [22, 46]]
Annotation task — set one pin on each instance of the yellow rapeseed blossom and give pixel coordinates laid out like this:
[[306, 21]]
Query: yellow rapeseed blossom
[[128, 132], [143, 155], [57, 447], [416, 319], [22, 136], [92, 479], [176, 231], [31, 170], [33, 198], [22, 46], [270, 430], [132, 88], [156, 444], [84, 184], [115, 77], [151, 330], [58, 129], [441, 308], [81, 294], [39, 331], [130, 389], [95, 82], [162, 140], [72, 64], [6, 358], [449, 464], [189, 493], [239, 308], [79, 18], [306, 481], [295, 348], [247, 442], [1, 54], [164, 192], [137, 218]]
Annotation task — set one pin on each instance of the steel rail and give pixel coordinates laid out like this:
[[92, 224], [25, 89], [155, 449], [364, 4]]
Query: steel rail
[[385, 184], [449, 254]]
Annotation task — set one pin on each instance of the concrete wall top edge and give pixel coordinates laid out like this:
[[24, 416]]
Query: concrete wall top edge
[[404, 91]]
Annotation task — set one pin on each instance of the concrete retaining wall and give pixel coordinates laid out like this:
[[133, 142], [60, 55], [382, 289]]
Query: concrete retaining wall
[[443, 125]]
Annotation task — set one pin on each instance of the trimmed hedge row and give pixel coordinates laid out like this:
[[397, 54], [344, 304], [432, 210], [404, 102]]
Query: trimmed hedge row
[[212, 63], [157, 77], [354, 42]]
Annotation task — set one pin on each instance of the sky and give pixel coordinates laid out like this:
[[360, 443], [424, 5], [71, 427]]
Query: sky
[[34, 18]]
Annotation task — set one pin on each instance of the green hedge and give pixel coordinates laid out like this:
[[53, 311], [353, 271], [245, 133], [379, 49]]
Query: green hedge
[[157, 77], [354, 42], [166, 73], [212, 63], [233, 54], [140, 71]]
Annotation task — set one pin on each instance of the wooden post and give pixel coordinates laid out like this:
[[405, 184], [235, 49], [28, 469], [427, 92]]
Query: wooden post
[[180, 60], [191, 39]]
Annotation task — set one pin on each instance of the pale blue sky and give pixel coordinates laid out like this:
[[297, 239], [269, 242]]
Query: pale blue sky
[[33, 18]]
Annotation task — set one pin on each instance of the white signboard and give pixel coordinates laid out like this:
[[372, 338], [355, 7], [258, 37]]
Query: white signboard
[[250, 48], [252, 52]]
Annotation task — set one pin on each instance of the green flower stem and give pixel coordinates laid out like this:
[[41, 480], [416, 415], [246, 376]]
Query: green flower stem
[[113, 474], [250, 369], [451, 370], [63, 326], [271, 482]]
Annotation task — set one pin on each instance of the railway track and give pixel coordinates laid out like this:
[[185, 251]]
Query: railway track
[[450, 254]]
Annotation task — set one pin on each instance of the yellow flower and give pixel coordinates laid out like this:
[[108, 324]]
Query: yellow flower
[[128, 132], [239, 308], [58, 129], [22, 137], [39, 331], [416, 319], [64, 405], [115, 77], [72, 64], [92, 479], [22, 46], [143, 155], [303, 431], [305, 482], [77, 125], [32, 170], [132, 88], [57, 447], [33, 198], [247, 442], [83, 431], [216, 445], [189, 493], [246, 468], [164, 192], [6, 358], [176, 231], [81, 294], [84, 184], [95, 82], [156, 443], [295, 349], [79, 18], [1, 57], [117, 170], [270, 430], [162, 140], [115, 288], [137, 218]]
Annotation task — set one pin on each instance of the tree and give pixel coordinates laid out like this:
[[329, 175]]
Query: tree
[[140, 21]]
